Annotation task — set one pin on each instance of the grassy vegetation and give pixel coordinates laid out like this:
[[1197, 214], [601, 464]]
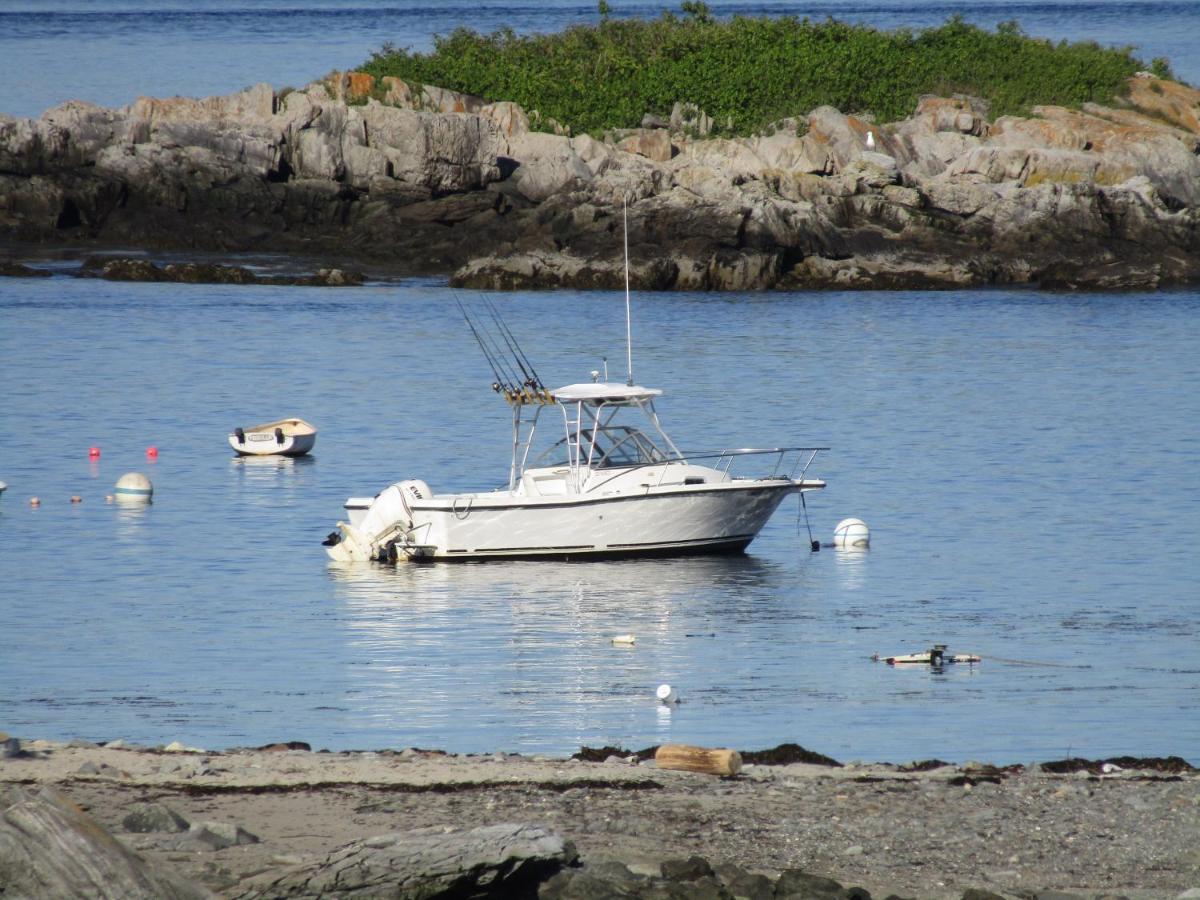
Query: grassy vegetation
[[748, 72]]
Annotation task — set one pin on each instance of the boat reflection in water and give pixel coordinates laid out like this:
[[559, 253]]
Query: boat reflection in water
[[262, 469], [518, 655]]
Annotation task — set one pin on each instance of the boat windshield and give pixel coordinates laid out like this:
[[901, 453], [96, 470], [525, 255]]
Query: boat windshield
[[616, 446]]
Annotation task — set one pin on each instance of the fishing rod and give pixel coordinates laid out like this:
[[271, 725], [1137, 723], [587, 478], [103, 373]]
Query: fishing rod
[[532, 380], [502, 382], [529, 381], [503, 360]]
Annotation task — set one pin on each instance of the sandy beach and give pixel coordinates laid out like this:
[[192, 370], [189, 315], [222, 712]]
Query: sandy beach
[[1013, 831]]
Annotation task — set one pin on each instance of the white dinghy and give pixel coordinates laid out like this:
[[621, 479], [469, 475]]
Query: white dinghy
[[607, 488], [285, 437]]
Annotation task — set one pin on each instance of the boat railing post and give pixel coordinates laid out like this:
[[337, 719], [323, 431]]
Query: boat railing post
[[516, 447]]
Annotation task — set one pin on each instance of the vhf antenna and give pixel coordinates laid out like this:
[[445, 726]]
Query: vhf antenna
[[628, 319]]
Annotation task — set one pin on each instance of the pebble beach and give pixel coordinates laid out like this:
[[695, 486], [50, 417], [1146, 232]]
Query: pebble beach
[[927, 830]]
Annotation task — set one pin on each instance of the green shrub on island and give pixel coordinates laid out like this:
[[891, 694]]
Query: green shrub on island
[[749, 72]]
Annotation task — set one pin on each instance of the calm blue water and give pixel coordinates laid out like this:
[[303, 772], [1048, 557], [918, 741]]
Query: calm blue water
[[1027, 461], [111, 51]]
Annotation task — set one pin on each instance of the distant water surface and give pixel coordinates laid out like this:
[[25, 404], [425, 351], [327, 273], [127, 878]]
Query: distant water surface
[[111, 51], [1027, 461]]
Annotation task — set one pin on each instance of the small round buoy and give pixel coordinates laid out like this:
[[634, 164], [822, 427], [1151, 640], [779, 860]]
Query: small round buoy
[[133, 487], [3, 487], [35, 501], [93, 452], [851, 533], [666, 694], [151, 453], [75, 498]]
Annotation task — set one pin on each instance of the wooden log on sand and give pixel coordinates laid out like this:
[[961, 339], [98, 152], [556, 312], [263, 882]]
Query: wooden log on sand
[[698, 759]]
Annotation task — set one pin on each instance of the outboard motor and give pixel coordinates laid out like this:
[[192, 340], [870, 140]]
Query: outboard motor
[[390, 511]]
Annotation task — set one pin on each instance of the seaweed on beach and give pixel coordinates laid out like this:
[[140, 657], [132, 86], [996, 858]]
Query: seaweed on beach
[[600, 754], [925, 765], [1174, 765], [785, 754]]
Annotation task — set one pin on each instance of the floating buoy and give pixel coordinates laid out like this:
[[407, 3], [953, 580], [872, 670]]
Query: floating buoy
[[870, 140], [3, 487], [93, 452], [626, 640], [133, 487], [151, 453], [851, 533], [75, 498], [108, 498], [666, 694], [35, 501]]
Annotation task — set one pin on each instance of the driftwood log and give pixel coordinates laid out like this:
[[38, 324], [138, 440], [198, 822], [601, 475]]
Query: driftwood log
[[698, 759]]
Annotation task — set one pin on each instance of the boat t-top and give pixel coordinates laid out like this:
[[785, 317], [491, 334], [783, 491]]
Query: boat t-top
[[613, 485]]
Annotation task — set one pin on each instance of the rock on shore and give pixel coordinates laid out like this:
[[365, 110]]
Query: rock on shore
[[430, 181]]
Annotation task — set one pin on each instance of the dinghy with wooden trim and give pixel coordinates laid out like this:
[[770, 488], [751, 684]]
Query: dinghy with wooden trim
[[285, 437]]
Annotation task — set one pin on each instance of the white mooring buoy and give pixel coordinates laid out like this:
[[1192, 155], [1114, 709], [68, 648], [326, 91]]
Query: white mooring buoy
[[851, 534], [133, 487]]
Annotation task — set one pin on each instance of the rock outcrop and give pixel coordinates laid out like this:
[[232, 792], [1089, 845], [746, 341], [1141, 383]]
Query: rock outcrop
[[51, 848], [490, 861], [429, 181]]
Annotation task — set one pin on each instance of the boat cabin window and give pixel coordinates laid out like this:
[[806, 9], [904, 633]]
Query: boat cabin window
[[616, 446], [621, 445]]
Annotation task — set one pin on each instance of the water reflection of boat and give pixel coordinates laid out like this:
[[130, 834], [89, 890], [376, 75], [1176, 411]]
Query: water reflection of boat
[[594, 589], [268, 467]]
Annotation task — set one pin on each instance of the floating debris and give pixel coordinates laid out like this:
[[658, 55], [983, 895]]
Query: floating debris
[[625, 640], [934, 656], [667, 694]]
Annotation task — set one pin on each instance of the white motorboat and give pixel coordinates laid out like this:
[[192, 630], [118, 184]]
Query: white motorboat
[[607, 488], [285, 437]]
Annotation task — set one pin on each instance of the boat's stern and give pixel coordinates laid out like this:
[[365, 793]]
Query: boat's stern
[[378, 525]]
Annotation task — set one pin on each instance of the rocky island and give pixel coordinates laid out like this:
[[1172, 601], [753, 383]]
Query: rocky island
[[411, 178]]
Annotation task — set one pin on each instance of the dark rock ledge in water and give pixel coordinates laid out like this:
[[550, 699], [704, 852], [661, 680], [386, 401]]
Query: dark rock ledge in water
[[134, 269], [444, 183]]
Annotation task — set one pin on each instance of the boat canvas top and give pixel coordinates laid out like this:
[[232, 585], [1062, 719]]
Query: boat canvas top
[[605, 392]]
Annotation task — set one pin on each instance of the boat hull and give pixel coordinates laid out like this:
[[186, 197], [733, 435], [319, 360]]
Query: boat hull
[[287, 437], [666, 522]]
